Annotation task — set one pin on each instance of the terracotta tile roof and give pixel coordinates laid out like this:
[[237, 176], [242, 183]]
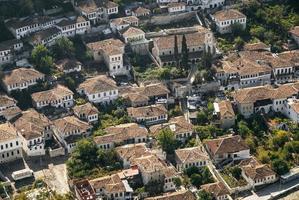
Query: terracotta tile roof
[[192, 39], [8, 44], [226, 109], [122, 132], [229, 14], [243, 66], [132, 151], [124, 20], [88, 6], [132, 31], [179, 195], [110, 4], [109, 46], [135, 97], [71, 124], [141, 11], [154, 89], [228, 144], [147, 111], [192, 154], [55, 94], [291, 56], [32, 124], [169, 172], [98, 84], [253, 94], [295, 106], [19, 23], [178, 125], [7, 132], [149, 164], [11, 112], [151, 90], [255, 170], [217, 189], [295, 31], [21, 75], [256, 46], [6, 101], [175, 4], [111, 184], [87, 109]]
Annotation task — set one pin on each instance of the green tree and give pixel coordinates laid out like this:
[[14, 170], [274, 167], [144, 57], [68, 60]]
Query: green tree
[[185, 59], [196, 180], [239, 43], [177, 181], [280, 166], [243, 129], [204, 195], [42, 60], [236, 172], [167, 141], [206, 175], [83, 159], [191, 170], [202, 118], [237, 29], [280, 138], [63, 48]]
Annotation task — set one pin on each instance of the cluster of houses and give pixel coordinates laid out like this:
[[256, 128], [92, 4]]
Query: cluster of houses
[[248, 73]]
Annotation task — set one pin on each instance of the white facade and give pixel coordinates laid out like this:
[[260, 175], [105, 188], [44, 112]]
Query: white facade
[[224, 25], [7, 51], [34, 146], [64, 102], [180, 7], [102, 97], [10, 149], [29, 26], [167, 1]]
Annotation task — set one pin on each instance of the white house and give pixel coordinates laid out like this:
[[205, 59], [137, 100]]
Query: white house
[[188, 157], [225, 114], [224, 20], [58, 97], [97, 11], [257, 174], [8, 50], [25, 26], [21, 78], [34, 129], [10, 143], [112, 187], [69, 130], [176, 7], [135, 38], [121, 23], [182, 129], [111, 51], [6, 102], [100, 89], [72, 27], [153, 114], [227, 148], [87, 112], [266, 98], [130, 133], [218, 190], [167, 1]]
